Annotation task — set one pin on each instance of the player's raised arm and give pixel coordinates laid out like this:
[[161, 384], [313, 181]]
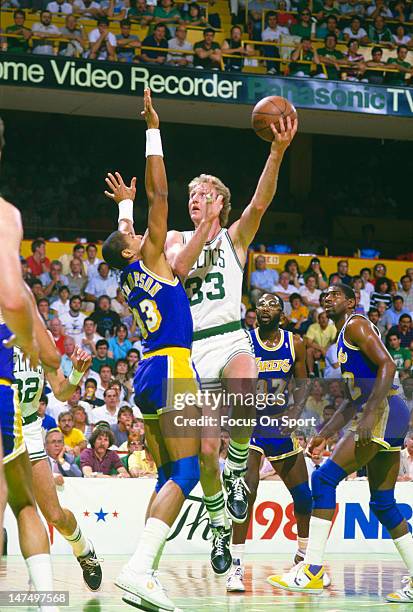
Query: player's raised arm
[[359, 333], [242, 232], [182, 256], [156, 187], [14, 302], [62, 387]]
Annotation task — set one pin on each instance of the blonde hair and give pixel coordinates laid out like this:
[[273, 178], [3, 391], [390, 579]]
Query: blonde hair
[[221, 190]]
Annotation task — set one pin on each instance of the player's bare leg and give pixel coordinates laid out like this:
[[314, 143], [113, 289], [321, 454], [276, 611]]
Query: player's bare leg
[[34, 543], [138, 577], [65, 523], [239, 376]]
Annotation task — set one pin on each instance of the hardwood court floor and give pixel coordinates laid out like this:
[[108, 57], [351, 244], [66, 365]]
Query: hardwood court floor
[[357, 582]]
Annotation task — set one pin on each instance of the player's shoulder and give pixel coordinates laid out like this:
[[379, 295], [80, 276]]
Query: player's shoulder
[[174, 237], [9, 211]]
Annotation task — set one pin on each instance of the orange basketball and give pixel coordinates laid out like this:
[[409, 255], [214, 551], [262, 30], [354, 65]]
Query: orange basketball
[[269, 110]]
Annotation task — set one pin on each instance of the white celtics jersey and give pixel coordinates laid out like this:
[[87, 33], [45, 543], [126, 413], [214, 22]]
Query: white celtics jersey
[[214, 285], [29, 383]]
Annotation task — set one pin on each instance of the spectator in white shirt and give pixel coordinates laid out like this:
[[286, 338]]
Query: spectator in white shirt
[[104, 283], [406, 292], [108, 412], [262, 280], [310, 293], [365, 274], [61, 306], [273, 31], [283, 289], [91, 262], [90, 337], [332, 369], [66, 362], [355, 32], [61, 7], [102, 42], [87, 8], [358, 285], [73, 320], [179, 42], [379, 8], [406, 459]]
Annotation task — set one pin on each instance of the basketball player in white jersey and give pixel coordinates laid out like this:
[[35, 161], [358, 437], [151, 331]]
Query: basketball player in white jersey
[[211, 259], [30, 382]]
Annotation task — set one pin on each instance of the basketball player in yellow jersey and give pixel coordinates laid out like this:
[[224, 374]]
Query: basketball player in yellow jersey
[[211, 259]]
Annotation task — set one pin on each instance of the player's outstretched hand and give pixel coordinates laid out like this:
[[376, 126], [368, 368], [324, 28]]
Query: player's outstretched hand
[[81, 359], [284, 136], [213, 207], [30, 349], [120, 191], [149, 113]]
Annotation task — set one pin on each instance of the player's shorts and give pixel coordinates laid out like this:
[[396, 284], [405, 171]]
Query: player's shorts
[[10, 422], [33, 436], [277, 448], [393, 425], [162, 380], [213, 353]]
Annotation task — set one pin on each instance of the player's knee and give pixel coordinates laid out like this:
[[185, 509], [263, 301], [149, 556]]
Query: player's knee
[[209, 456], [324, 482], [384, 506], [54, 516], [164, 474], [302, 499], [185, 473]]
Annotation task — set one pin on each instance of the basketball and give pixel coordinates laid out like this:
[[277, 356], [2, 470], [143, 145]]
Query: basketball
[[267, 111]]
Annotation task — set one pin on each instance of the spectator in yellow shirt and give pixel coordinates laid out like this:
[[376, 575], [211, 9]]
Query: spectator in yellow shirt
[[139, 462], [299, 314], [73, 438], [319, 337]]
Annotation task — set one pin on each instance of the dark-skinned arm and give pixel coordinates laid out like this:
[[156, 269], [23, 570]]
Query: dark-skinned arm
[[301, 382], [360, 333]]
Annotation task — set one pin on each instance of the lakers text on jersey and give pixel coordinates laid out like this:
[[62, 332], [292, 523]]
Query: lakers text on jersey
[[275, 368]]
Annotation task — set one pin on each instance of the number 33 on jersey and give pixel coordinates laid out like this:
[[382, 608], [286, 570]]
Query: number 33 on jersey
[[159, 306]]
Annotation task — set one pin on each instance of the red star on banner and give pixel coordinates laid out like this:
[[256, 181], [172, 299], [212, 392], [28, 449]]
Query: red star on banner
[[86, 513], [115, 514]]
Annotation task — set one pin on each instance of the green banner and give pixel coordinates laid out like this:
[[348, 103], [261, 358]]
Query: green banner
[[175, 83]]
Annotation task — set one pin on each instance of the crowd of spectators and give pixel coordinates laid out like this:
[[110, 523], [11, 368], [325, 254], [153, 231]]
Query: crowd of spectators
[[288, 30]]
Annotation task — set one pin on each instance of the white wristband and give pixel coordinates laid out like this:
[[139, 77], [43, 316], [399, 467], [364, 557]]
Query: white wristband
[[75, 377], [126, 210], [153, 142]]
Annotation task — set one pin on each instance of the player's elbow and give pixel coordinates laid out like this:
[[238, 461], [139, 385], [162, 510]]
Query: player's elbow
[[180, 268], [14, 302]]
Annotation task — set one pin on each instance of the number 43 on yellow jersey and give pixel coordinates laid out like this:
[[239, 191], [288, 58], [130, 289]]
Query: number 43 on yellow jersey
[[152, 317]]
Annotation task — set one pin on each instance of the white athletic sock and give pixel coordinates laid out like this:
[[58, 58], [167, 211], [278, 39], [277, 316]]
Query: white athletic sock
[[237, 457], [317, 540], [40, 571], [302, 544], [157, 560], [404, 545], [238, 552], [79, 543], [153, 538]]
